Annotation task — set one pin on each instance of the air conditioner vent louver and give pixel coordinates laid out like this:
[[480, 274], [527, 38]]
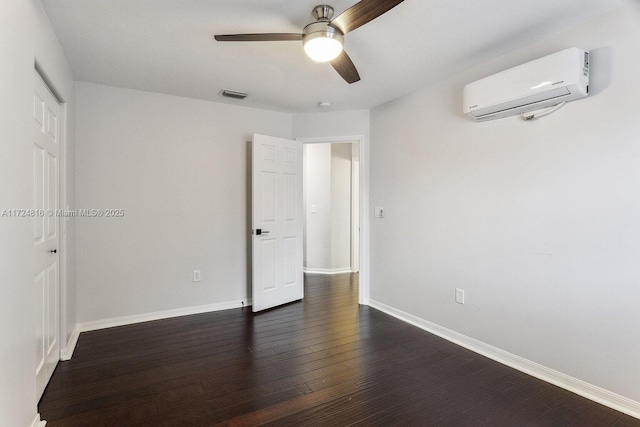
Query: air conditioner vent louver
[[233, 94], [523, 104]]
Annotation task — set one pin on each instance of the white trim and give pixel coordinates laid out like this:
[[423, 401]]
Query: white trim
[[63, 200], [326, 271], [158, 315], [37, 422], [363, 267], [355, 207], [574, 385], [67, 352]]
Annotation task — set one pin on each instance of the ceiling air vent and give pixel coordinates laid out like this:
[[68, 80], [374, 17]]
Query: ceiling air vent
[[233, 94]]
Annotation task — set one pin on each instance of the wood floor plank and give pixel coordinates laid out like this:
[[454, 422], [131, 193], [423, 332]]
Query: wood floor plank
[[322, 361]]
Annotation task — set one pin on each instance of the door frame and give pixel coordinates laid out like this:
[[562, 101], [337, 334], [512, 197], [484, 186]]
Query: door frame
[[363, 175], [65, 352]]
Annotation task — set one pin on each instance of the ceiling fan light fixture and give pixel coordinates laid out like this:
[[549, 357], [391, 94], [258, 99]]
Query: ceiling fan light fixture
[[322, 42], [322, 49]]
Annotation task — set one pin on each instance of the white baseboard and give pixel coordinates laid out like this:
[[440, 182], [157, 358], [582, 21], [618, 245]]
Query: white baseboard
[[67, 352], [37, 422], [326, 271], [157, 315], [574, 385]]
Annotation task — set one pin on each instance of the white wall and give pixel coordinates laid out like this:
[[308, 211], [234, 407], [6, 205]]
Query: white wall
[[340, 207], [327, 186], [538, 222], [337, 123], [27, 37], [179, 169], [317, 192]]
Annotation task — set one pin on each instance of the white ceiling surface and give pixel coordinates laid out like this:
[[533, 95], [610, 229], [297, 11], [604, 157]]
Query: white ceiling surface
[[167, 46]]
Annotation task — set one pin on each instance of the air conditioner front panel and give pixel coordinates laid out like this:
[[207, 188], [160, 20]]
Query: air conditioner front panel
[[563, 75]]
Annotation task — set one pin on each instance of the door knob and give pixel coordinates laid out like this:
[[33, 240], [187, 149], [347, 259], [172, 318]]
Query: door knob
[[54, 251]]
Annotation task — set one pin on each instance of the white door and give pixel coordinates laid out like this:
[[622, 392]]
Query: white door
[[46, 150], [277, 222]]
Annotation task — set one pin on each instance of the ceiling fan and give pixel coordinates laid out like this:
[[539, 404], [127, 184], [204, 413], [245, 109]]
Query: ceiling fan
[[323, 39]]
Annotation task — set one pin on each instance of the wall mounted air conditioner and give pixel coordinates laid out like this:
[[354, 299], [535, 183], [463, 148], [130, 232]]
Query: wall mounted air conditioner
[[548, 81]]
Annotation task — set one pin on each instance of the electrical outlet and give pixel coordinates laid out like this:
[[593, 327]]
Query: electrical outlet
[[196, 276], [378, 212], [459, 296]]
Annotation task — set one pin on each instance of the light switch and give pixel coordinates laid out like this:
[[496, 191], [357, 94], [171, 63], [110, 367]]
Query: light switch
[[379, 212], [314, 209]]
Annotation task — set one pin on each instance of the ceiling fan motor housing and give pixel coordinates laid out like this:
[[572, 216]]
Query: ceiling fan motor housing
[[323, 12], [322, 27]]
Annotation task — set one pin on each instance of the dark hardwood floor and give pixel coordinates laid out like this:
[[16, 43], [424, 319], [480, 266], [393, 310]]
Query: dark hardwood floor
[[323, 361]]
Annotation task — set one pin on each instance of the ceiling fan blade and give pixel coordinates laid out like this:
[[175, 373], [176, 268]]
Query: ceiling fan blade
[[362, 12], [266, 37], [344, 66]]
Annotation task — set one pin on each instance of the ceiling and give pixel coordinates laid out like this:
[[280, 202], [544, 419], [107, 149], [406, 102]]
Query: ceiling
[[167, 46]]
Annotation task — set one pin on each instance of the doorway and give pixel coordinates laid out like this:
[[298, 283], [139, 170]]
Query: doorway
[[329, 229], [343, 247]]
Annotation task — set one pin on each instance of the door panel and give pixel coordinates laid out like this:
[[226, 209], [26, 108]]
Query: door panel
[[268, 211], [277, 212], [38, 191], [46, 151], [269, 266], [289, 249], [290, 197], [52, 196]]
